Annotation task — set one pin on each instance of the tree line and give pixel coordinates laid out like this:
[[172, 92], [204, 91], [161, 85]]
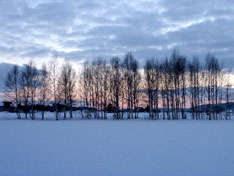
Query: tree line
[[169, 88]]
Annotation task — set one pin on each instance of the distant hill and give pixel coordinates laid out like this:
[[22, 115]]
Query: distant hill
[[4, 69], [220, 107]]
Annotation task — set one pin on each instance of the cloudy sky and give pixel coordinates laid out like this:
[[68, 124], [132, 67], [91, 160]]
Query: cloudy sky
[[84, 29]]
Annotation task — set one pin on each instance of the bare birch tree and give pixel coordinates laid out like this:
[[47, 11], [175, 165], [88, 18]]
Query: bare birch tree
[[12, 87], [43, 89]]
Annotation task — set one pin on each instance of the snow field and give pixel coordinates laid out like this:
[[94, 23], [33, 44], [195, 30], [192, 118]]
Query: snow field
[[114, 148]]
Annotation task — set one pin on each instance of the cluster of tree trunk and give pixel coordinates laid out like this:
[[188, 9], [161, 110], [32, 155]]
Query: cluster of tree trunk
[[31, 86], [181, 86], [114, 85], [172, 87]]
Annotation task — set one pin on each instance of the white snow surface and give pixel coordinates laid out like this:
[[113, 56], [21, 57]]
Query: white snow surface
[[116, 147]]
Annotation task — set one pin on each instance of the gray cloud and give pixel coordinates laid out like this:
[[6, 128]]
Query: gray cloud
[[88, 29]]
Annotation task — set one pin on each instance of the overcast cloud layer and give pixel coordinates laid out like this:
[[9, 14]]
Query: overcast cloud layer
[[81, 29]]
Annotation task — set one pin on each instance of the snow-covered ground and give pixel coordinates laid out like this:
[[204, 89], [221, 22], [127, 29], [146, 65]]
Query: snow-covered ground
[[116, 148]]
